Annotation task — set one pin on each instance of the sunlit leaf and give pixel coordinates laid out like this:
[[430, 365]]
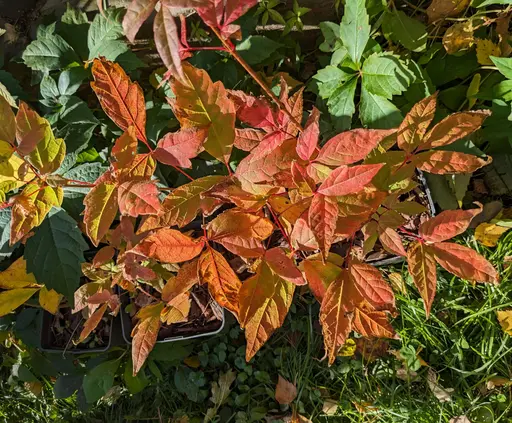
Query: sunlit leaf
[[16, 276], [422, 267], [49, 299], [138, 198], [101, 206], [145, 333], [177, 148], [447, 224], [12, 299]]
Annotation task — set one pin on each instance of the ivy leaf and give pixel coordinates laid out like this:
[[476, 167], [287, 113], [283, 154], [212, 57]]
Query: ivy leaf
[[177, 148], [265, 299], [136, 13], [121, 99], [49, 299], [323, 214], [55, 252], [16, 276], [247, 139], [12, 299], [103, 36], [348, 180], [137, 198], [169, 246], [464, 262], [447, 224], [405, 30], [504, 65], [50, 52], [125, 149], [182, 205], [167, 40], [336, 324], [223, 283], [447, 162], [412, 130], [422, 267], [201, 103], [355, 29], [391, 241], [351, 146], [101, 205], [384, 75], [378, 112], [283, 266], [308, 139]]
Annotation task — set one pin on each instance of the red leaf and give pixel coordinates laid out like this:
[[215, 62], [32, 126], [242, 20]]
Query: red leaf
[[177, 148], [136, 13], [308, 139], [103, 256], [447, 224], [351, 146], [446, 162], [349, 180], [422, 267], [373, 324], [320, 275], [247, 139], [464, 262], [167, 40], [121, 99], [138, 198], [283, 266], [323, 215], [169, 246], [391, 241], [372, 286], [413, 128], [253, 111]]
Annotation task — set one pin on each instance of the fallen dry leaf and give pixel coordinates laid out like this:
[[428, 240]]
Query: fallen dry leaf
[[460, 419], [484, 49], [286, 392], [397, 282], [330, 407], [488, 234], [458, 37], [442, 394], [505, 319], [445, 9]]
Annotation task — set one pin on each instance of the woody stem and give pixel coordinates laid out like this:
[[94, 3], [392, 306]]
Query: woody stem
[[229, 48]]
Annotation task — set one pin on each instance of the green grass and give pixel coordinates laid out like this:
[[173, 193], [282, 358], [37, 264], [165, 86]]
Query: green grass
[[462, 342]]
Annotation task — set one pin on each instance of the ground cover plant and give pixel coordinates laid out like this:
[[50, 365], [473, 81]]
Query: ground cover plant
[[217, 185]]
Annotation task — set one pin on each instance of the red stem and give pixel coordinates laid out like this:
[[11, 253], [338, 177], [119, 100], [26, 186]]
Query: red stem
[[278, 223]]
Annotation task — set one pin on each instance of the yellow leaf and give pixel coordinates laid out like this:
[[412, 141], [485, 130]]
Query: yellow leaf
[[16, 276], [505, 319], [7, 121], [100, 210], [473, 89], [49, 299], [488, 234], [458, 37], [12, 299], [348, 349], [14, 171], [484, 49], [192, 362]]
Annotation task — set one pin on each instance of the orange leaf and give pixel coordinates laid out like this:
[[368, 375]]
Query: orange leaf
[[237, 223], [453, 128], [30, 129], [371, 285], [92, 322], [177, 148], [447, 224], [413, 128], [351, 146], [141, 168], [182, 205], [308, 139], [145, 334], [320, 275], [283, 266], [336, 324], [241, 246], [323, 214], [464, 262], [373, 324], [186, 278], [349, 180], [229, 190], [136, 13], [286, 392], [201, 103], [302, 236], [101, 207], [125, 148], [103, 256], [167, 40], [422, 267], [177, 311], [138, 198], [446, 162], [223, 283], [121, 99], [247, 139], [169, 246], [391, 241], [265, 299]]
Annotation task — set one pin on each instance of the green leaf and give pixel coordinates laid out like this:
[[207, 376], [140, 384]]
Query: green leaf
[[104, 30], [256, 48], [377, 112], [330, 79], [407, 31], [99, 380], [385, 75], [49, 53], [446, 68], [341, 103], [489, 2], [504, 65], [74, 16], [331, 33], [135, 384], [67, 385], [5, 233], [355, 28], [441, 192], [48, 88], [77, 111], [503, 90], [70, 80], [54, 253]]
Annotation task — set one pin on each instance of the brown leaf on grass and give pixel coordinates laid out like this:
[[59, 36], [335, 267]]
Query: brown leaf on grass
[[286, 392], [458, 37], [445, 9]]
